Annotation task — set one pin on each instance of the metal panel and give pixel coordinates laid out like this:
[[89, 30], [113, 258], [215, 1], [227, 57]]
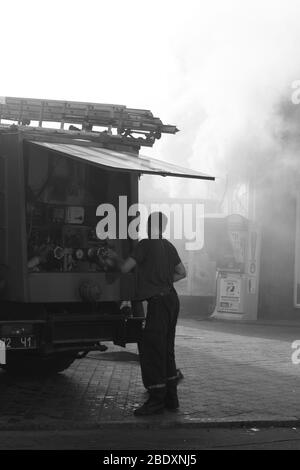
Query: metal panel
[[3, 212], [13, 233], [123, 161], [64, 287]]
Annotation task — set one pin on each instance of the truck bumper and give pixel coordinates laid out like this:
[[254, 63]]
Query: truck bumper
[[75, 332]]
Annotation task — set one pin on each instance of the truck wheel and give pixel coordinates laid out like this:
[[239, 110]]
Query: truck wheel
[[38, 365]]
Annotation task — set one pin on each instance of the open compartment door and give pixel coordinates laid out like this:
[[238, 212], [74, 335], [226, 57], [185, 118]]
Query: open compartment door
[[122, 161]]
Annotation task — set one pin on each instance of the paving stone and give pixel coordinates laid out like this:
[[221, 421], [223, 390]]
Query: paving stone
[[230, 372]]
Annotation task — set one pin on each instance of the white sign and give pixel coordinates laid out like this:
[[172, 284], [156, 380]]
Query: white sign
[[230, 294]]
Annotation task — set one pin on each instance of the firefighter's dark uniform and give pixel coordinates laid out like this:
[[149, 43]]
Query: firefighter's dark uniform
[[156, 260]]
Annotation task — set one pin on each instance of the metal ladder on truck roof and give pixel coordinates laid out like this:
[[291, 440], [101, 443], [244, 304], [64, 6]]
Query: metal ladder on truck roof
[[128, 122]]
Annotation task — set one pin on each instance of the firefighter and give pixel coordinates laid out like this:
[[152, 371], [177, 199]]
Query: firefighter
[[158, 267]]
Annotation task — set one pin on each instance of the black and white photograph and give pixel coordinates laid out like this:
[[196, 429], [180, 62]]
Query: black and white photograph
[[149, 228]]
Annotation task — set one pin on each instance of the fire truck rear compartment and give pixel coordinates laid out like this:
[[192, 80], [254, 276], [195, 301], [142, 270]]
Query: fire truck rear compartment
[[65, 257]]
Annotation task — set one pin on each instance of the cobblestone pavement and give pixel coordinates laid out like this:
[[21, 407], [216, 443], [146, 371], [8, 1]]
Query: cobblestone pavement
[[232, 372]]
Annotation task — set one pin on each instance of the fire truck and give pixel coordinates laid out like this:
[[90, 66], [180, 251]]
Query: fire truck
[[59, 160]]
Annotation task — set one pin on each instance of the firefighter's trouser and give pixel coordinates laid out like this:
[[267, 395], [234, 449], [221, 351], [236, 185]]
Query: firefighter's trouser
[[157, 355]]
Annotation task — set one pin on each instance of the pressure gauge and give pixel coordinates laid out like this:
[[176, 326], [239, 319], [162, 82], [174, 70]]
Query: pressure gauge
[[79, 254], [58, 252]]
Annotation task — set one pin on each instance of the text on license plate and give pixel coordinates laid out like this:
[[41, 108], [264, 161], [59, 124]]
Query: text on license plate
[[20, 342]]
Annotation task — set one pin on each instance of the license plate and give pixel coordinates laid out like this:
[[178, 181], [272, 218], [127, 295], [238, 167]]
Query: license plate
[[19, 342]]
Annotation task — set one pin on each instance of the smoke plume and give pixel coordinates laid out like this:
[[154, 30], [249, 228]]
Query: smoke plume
[[231, 94]]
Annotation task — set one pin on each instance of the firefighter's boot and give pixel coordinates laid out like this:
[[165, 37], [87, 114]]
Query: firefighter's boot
[[171, 398], [155, 403]]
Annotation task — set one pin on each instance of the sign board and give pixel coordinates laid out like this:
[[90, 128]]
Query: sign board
[[230, 294]]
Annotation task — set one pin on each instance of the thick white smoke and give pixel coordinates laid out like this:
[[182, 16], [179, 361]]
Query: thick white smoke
[[235, 62]]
